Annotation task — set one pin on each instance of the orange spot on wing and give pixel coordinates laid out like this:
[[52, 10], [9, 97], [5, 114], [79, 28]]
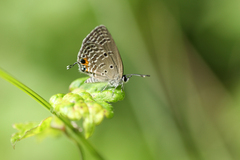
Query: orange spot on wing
[[86, 61], [86, 64]]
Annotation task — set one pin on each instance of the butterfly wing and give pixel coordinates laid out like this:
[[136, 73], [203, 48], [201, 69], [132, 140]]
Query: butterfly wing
[[99, 57], [101, 36]]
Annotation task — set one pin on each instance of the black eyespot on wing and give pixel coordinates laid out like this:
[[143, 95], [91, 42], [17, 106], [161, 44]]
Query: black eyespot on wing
[[82, 61], [83, 69], [111, 66]]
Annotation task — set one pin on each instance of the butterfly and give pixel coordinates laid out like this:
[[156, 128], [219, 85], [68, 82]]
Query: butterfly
[[100, 59]]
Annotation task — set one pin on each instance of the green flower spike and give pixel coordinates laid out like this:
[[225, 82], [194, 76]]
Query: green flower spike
[[88, 102], [67, 109]]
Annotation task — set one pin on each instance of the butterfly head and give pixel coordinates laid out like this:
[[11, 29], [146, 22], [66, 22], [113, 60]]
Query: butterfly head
[[125, 78]]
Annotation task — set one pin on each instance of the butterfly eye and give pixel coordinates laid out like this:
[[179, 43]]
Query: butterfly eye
[[124, 78]]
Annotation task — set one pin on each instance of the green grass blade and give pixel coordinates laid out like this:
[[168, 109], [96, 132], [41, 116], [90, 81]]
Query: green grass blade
[[24, 88]]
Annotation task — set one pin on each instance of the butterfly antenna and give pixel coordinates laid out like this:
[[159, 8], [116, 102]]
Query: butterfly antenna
[[140, 75], [71, 65]]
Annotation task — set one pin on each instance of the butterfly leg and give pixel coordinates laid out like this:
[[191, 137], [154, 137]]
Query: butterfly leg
[[122, 87], [105, 87], [114, 91]]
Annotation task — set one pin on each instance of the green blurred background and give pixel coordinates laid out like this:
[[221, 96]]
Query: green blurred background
[[187, 110]]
